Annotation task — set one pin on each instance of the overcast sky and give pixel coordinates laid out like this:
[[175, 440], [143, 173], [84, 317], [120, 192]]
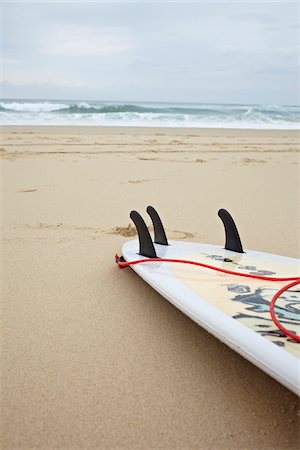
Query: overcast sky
[[226, 52]]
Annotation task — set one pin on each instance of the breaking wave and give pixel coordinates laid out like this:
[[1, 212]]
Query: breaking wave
[[42, 112]]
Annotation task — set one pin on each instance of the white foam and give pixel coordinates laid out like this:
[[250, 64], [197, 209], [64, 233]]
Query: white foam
[[33, 107], [17, 112]]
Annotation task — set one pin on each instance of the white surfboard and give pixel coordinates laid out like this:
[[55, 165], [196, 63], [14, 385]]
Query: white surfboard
[[232, 308]]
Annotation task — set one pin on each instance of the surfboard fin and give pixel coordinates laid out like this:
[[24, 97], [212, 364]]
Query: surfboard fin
[[233, 241], [146, 245], [159, 231]]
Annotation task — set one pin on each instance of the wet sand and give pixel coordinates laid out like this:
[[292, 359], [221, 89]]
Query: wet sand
[[92, 357]]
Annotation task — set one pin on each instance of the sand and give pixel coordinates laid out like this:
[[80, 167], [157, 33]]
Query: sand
[[92, 357]]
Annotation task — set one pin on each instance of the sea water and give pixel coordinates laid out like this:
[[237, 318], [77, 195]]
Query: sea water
[[68, 112]]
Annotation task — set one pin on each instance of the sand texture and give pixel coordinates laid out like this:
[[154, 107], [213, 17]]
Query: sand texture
[[91, 356]]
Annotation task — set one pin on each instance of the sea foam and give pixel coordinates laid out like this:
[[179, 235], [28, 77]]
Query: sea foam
[[50, 112]]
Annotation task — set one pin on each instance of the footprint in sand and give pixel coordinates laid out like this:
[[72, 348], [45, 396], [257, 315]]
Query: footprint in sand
[[142, 158], [175, 142], [174, 234], [130, 231], [252, 161], [144, 180], [27, 190], [169, 160], [136, 181]]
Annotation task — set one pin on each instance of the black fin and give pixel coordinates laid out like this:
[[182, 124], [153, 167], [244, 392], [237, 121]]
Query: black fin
[[233, 241], [159, 231], [146, 245]]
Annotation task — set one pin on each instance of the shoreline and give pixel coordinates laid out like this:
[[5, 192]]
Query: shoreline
[[90, 129], [144, 128]]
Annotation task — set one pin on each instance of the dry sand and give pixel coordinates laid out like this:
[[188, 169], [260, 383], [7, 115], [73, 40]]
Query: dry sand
[[92, 357]]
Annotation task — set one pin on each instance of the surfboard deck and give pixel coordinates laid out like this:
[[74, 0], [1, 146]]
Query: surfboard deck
[[233, 309]]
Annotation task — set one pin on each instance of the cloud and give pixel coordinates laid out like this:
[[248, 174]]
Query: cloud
[[180, 51], [81, 41]]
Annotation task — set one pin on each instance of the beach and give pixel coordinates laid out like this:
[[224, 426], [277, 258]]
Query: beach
[[92, 357]]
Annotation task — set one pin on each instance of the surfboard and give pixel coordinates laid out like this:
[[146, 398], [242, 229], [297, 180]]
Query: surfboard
[[234, 309]]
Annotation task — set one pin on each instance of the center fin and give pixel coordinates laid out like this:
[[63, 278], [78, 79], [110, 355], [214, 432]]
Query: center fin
[[159, 231]]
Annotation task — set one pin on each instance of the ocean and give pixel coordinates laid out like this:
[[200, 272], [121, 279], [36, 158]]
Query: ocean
[[74, 112]]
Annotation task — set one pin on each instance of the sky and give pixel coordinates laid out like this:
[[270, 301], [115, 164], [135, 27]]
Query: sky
[[207, 52]]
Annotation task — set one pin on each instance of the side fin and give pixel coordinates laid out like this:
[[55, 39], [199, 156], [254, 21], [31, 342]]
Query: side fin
[[159, 231], [146, 245], [233, 241]]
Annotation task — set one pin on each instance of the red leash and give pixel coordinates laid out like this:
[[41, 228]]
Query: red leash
[[295, 280]]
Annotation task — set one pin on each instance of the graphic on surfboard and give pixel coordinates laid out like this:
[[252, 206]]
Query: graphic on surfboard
[[247, 301]]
